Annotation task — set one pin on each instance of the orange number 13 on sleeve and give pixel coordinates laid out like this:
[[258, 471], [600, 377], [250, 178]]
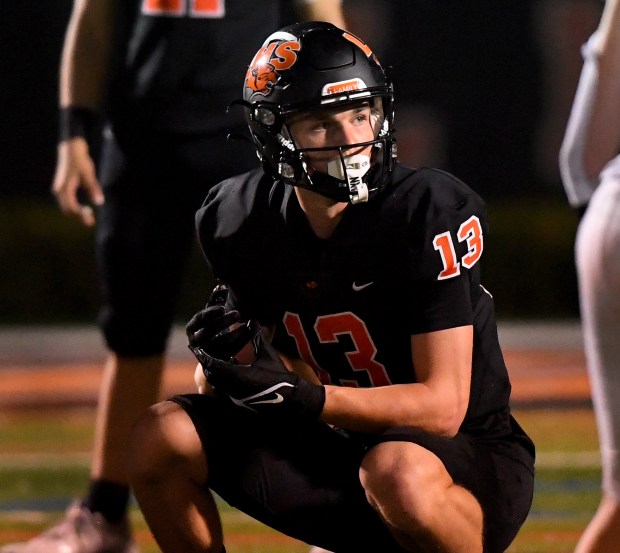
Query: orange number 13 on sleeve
[[471, 232], [178, 8]]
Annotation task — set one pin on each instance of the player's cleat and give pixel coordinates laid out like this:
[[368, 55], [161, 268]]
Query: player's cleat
[[81, 531]]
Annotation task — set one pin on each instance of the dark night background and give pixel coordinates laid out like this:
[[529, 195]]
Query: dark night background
[[483, 88], [31, 35]]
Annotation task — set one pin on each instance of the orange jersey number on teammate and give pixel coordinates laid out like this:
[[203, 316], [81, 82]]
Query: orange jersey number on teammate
[[178, 8]]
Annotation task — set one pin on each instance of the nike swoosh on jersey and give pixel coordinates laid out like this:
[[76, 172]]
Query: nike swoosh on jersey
[[358, 287], [255, 399]]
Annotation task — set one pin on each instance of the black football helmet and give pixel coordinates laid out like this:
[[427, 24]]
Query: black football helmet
[[309, 66]]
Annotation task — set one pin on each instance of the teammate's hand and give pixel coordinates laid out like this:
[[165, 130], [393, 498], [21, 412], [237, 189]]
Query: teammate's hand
[[75, 171], [266, 386], [217, 331]]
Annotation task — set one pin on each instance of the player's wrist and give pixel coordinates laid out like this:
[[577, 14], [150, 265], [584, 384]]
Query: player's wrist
[[310, 399], [76, 122]]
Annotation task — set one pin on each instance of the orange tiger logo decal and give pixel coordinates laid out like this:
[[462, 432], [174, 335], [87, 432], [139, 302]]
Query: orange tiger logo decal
[[274, 57], [262, 78]]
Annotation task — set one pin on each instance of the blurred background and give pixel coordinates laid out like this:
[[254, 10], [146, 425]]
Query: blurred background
[[483, 90]]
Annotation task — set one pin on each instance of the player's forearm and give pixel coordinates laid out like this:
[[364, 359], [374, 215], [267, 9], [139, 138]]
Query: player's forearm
[[322, 10], [603, 137], [86, 54], [377, 409], [579, 183]]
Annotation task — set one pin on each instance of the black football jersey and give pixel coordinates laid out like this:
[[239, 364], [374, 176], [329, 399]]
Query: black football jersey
[[406, 262], [179, 63]]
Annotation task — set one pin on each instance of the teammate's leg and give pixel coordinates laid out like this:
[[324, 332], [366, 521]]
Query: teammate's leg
[[129, 386], [602, 534], [598, 267], [139, 269], [168, 475], [419, 502]]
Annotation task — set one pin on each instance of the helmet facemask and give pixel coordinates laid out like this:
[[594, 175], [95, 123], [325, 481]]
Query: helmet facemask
[[354, 171]]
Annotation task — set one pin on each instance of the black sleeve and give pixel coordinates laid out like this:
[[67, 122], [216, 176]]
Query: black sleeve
[[231, 229], [448, 229]]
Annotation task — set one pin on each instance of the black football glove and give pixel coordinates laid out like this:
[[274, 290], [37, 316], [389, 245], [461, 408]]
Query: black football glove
[[217, 331], [266, 386]]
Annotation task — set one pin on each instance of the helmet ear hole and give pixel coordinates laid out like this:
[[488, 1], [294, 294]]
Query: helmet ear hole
[[265, 116]]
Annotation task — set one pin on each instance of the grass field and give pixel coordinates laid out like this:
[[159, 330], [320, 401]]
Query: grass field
[[44, 463]]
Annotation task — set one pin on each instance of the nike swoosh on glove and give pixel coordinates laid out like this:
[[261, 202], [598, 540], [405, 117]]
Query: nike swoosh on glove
[[266, 386]]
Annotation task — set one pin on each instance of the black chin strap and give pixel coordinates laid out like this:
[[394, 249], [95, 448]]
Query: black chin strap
[[336, 189]]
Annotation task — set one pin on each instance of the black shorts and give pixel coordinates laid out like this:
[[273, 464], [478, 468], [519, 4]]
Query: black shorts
[[303, 480], [146, 229]]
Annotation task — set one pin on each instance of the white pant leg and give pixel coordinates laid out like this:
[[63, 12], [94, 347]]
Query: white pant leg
[[598, 267]]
